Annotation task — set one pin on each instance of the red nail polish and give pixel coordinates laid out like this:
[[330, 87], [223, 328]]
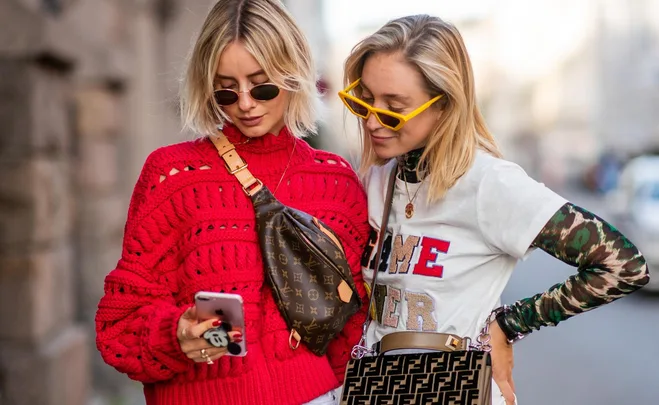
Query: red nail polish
[[217, 323], [237, 340]]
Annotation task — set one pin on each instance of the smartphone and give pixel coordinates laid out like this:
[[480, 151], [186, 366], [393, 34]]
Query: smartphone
[[229, 309]]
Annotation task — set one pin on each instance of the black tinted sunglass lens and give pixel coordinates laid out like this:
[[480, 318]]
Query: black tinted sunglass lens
[[225, 97], [388, 120], [264, 92], [357, 108]]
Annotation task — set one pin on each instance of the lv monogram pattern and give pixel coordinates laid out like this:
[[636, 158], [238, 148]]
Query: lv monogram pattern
[[447, 378], [304, 268]]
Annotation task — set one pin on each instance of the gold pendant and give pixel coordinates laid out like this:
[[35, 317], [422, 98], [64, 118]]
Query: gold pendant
[[409, 210]]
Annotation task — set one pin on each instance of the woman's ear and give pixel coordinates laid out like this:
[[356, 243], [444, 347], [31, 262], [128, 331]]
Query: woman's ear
[[443, 102], [439, 111]]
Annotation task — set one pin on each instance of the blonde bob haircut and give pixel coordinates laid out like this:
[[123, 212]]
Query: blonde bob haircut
[[269, 33], [435, 48]]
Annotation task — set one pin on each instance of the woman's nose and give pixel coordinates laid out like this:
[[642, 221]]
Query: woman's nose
[[245, 101], [372, 123]]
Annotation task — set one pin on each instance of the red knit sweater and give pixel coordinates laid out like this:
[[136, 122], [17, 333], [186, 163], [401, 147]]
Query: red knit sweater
[[190, 227]]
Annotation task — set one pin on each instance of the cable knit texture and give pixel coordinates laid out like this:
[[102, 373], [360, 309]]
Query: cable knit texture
[[191, 228]]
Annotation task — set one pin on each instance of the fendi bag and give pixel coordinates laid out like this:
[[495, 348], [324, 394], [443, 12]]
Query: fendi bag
[[456, 372], [304, 262]]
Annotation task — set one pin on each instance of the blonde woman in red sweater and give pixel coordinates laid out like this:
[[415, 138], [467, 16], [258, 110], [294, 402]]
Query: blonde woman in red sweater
[[191, 228]]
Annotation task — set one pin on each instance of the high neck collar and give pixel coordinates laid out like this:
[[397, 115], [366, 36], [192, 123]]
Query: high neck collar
[[263, 144], [409, 163]]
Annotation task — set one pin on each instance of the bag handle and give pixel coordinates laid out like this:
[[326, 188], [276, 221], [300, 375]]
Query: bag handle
[[446, 342], [360, 349], [236, 165]]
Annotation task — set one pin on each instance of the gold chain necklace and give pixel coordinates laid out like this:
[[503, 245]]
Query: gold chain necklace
[[287, 164], [409, 208]]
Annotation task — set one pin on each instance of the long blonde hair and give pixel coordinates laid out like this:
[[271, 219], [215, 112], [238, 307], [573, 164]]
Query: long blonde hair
[[436, 49], [269, 33]]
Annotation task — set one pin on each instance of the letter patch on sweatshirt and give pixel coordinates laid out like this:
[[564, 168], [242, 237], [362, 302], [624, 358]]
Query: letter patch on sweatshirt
[[400, 254]]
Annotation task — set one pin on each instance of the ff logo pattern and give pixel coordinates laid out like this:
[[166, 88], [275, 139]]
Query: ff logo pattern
[[447, 378]]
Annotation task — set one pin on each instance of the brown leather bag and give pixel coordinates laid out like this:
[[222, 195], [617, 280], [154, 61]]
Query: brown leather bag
[[304, 261]]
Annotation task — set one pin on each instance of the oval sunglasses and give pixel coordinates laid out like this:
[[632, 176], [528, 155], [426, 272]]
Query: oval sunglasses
[[386, 118], [260, 92]]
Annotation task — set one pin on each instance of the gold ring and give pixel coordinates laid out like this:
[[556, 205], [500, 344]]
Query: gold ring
[[204, 355]]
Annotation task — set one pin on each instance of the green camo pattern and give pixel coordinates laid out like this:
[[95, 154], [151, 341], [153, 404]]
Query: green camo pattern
[[609, 265]]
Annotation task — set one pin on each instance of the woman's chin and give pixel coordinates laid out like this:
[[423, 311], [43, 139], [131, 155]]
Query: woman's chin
[[252, 132], [256, 131], [385, 153]]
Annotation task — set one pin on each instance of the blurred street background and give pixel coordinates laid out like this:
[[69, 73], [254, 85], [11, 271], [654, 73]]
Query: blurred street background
[[89, 87]]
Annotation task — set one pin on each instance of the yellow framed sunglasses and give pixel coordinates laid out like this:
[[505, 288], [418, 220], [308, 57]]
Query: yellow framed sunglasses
[[386, 118]]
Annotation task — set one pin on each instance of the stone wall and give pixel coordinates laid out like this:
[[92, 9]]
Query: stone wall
[[43, 351], [80, 108]]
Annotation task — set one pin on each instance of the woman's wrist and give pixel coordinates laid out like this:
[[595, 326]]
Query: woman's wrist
[[504, 317]]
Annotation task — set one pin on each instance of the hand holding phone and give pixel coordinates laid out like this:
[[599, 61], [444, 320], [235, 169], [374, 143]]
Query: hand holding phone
[[188, 333], [228, 308]]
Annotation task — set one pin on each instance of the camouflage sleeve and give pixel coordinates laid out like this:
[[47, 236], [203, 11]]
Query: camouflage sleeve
[[609, 267]]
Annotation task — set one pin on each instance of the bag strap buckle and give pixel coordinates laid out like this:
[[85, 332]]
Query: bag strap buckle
[[236, 165], [239, 166]]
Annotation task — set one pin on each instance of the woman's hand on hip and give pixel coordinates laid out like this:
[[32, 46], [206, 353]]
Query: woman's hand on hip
[[502, 363]]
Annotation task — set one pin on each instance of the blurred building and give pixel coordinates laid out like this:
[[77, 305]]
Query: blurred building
[[563, 83], [88, 90]]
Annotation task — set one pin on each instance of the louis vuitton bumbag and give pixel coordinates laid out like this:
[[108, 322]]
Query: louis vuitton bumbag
[[304, 262]]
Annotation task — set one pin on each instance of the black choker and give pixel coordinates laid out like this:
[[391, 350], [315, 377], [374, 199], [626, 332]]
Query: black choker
[[409, 163]]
